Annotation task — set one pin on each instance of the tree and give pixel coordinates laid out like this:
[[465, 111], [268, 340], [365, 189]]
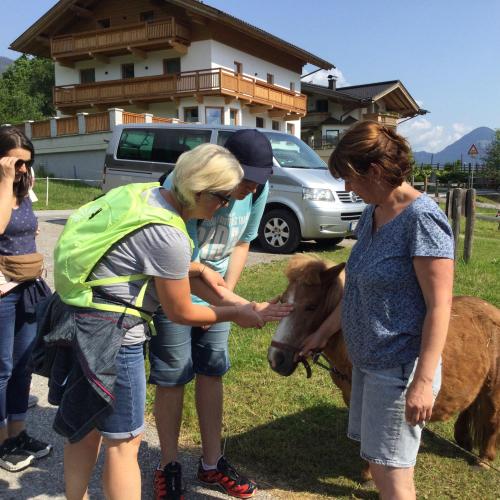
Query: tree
[[26, 90], [492, 159]]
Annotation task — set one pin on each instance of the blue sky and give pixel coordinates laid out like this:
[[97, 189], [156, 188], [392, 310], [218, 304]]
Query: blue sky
[[446, 52]]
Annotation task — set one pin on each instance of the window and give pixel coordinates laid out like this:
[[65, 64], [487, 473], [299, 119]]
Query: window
[[172, 66], [214, 116], [275, 125], [292, 86], [163, 146], [191, 115], [270, 78], [238, 67], [87, 75], [104, 23], [331, 136], [290, 128], [259, 122], [147, 16], [128, 71], [223, 136], [322, 105], [233, 117]]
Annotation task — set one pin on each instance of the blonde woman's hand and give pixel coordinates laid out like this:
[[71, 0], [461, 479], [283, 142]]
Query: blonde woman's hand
[[213, 279], [273, 311], [247, 317]]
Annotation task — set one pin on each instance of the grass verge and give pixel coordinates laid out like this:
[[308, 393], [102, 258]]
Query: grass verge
[[290, 432], [63, 195]]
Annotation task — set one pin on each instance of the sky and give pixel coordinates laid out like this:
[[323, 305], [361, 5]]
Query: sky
[[445, 52]]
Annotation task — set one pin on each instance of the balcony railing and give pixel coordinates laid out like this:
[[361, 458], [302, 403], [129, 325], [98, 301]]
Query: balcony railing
[[215, 81], [118, 39], [387, 119]]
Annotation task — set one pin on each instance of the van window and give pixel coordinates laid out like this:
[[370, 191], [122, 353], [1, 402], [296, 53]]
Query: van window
[[159, 145], [293, 153], [223, 136]]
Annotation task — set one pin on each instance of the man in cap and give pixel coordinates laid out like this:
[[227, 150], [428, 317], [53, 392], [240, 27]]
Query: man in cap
[[180, 353]]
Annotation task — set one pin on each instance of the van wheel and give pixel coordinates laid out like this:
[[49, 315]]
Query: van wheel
[[279, 231]]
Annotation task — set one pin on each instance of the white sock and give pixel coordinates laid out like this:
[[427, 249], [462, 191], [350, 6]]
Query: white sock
[[209, 467]]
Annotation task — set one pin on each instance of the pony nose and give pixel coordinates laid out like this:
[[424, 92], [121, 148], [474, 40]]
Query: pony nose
[[276, 360]]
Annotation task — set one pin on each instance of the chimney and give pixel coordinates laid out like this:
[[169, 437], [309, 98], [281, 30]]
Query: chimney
[[332, 82]]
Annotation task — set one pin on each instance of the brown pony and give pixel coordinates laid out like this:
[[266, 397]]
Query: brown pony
[[471, 357]]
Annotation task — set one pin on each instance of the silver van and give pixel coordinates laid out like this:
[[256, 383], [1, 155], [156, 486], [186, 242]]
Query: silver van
[[305, 202]]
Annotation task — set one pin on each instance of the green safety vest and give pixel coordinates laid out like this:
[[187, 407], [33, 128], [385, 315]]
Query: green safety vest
[[91, 232]]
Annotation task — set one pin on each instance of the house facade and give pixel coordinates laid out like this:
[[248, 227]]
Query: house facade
[[331, 110], [170, 58]]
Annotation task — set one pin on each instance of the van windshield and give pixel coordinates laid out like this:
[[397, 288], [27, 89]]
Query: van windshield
[[291, 152]]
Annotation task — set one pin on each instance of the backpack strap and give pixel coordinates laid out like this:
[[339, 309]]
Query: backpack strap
[[257, 193]]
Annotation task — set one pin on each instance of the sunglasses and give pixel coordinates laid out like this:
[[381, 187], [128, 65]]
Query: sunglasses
[[223, 199], [19, 163]]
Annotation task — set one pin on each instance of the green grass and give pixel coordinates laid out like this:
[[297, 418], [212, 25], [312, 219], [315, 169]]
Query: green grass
[[63, 195], [289, 433]]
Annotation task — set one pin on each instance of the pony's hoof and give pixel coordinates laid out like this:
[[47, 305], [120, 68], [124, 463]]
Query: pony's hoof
[[479, 466]]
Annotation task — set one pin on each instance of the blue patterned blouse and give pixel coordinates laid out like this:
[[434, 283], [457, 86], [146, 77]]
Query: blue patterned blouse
[[384, 308]]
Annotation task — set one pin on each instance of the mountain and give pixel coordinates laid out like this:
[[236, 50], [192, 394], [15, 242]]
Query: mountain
[[481, 137], [4, 62]]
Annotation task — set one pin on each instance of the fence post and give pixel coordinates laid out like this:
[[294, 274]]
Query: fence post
[[53, 126], [82, 124], [447, 209], [115, 117], [148, 117], [470, 214], [456, 213], [27, 128], [47, 193]]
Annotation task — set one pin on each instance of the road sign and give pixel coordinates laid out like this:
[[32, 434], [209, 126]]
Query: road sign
[[473, 151]]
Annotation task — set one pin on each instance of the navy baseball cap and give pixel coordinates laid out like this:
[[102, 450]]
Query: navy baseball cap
[[254, 152]]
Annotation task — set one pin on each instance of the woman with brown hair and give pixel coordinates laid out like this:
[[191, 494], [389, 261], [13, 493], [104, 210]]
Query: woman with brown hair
[[20, 289], [396, 305]]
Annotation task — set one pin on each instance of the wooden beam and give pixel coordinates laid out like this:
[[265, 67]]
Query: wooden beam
[[277, 113], [99, 57], [178, 47], [43, 39], [138, 52], [65, 64], [259, 109], [196, 19], [82, 11], [199, 98], [228, 100]]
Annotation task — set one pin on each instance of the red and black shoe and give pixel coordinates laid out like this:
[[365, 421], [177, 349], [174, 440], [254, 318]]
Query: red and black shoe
[[167, 483], [226, 477]]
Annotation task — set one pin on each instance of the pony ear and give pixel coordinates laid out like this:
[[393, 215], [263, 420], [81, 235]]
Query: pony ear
[[329, 276]]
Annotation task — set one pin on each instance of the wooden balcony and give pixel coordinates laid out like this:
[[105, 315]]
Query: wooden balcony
[[216, 82], [386, 119], [314, 118], [161, 34]]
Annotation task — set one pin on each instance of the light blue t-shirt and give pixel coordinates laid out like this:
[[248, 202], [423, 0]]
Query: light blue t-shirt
[[215, 239], [383, 308]]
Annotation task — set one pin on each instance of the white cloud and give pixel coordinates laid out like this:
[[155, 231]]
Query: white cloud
[[424, 135], [321, 77]]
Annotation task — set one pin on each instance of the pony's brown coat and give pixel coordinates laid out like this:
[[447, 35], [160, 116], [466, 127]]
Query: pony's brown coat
[[471, 357]]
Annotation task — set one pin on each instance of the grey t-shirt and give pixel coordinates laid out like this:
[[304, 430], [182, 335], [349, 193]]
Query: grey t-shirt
[[154, 250]]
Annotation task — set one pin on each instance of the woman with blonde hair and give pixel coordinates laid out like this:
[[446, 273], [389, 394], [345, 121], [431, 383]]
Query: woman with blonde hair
[[396, 305], [103, 392]]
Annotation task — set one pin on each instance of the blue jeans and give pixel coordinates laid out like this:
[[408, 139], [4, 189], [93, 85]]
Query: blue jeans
[[17, 338], [377, 414], [178, 352], [127, 419]]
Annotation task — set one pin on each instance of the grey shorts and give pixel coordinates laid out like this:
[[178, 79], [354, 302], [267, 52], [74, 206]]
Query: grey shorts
[[377, 415]]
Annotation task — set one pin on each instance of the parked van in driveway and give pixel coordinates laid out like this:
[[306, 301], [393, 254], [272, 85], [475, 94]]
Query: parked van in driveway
[[305, 202]]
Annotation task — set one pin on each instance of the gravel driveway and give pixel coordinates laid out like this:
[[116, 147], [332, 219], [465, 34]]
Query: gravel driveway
[[44, 480]]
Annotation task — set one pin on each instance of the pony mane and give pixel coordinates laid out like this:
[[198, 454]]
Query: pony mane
[[306, 268]]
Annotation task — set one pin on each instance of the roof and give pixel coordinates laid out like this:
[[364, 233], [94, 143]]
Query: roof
[[27, 41], [395, 94]]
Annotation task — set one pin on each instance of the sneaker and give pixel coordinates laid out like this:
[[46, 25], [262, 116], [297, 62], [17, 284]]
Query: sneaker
[[33, 446], [13, 458], [32, 401], [226, 477], [167, 483]]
